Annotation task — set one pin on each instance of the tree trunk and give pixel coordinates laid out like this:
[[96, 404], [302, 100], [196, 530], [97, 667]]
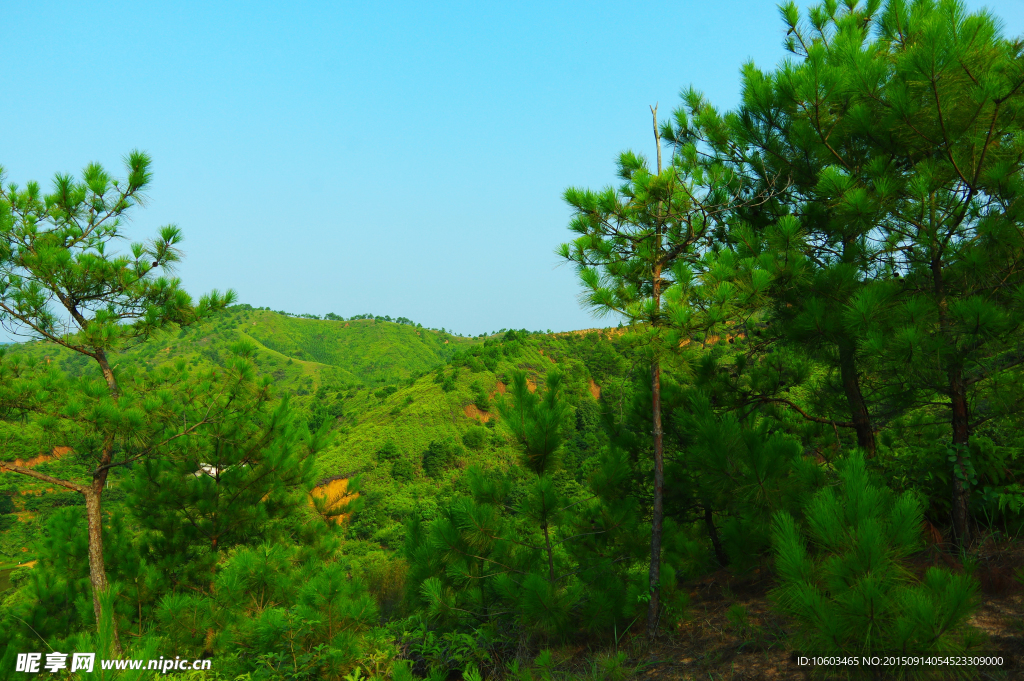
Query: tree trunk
[[709, 522], [851, 378], [659, 464], [108, 373], [97, 567], [94, 517], [854, 398], [547, 538], [551, 555], [960, 420], [658, 512], [961, 438]]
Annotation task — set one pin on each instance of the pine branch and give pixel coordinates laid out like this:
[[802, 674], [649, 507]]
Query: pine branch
[[794, 407], [4, 465]]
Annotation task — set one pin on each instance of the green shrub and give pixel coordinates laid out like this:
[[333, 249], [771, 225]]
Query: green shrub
[[480, 396], [384, 392], [20, 575], [852, 594], [440, 456], [518, 555], [388, 451], [475, 437], [6, 504], [403, 470]]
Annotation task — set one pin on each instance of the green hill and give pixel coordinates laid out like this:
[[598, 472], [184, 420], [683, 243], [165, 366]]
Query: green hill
[[302, 354], [371, 351], [389, 392], [386, 438]]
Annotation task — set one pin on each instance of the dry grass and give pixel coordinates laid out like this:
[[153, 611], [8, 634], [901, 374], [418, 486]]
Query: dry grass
[[335, 494]]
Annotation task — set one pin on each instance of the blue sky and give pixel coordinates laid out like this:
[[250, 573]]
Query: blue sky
[[396, 158]]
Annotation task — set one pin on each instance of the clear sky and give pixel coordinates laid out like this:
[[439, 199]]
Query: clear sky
[[395, 158]]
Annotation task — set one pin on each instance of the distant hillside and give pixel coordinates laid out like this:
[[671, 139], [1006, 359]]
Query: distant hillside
[[302, 354], [391, 394], [370, 350], [386, 436]]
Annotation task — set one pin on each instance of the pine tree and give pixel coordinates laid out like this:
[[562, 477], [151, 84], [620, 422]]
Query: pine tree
[[955, 228], [55, 604], [636, 255], [243, 470], [59, 282], [545, 563], [285, 617], [896, 241], [932, 102], [795, 123], [744, 472], [58, 585], [852, 593]]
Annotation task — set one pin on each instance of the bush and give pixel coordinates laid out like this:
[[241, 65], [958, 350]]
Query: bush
[[20, 575], [388, 451], [475, 437], [6, 504], [480, 396], [403, 470], [440, 456], [852, 594], [384, 576], [384, 392]]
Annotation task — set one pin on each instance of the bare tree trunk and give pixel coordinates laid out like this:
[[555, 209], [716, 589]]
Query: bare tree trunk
[[716, 542], [961, 438], [854, 398], [97, 566], [94, 517], [108, 373], [658, 511], [960, 420], [551, 555], [659, 463], [850, 377]]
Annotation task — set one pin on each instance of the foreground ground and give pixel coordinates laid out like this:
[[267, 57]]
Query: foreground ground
[[714, 641]]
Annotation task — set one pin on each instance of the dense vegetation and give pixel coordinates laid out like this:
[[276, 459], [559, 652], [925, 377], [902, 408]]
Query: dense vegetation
[[819, 369]]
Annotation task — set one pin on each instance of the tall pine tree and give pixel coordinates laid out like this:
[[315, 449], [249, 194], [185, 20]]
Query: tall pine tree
[[62, 282], [636, 253]]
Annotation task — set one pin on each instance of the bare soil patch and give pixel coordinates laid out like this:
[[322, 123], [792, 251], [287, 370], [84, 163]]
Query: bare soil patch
[[474, 412], [499, 388], [55, 453]]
